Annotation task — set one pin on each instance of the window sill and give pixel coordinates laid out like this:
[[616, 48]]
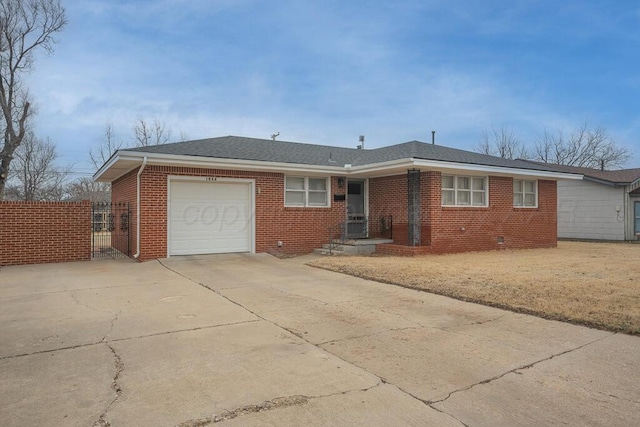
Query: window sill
[[463, 207], [306, 207]]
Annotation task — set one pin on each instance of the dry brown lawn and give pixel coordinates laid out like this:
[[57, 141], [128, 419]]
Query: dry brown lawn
[[594, 284]]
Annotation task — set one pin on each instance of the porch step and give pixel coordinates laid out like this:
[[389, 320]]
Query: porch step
[[351, 247], [362, 242], [326, 251]]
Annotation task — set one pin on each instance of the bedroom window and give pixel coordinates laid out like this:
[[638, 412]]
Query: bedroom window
[[306, 192], [464, 190], [525, 193]]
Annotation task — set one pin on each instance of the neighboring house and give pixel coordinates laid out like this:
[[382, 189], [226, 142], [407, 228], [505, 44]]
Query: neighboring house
[[234, 194], [605, 205]]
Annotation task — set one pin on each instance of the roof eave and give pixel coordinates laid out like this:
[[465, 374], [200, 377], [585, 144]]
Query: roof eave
[[128, 160], [210, 163], [498, 170]]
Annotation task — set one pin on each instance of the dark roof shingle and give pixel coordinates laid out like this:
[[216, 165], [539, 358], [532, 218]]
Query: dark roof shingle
[[266, 150]]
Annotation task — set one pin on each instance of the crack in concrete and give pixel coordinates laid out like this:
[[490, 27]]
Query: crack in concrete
[[403, 317], [429, 403], [75, 298], [381, 379], [113, 321], [620, 398], [267, 405], [283, 292], [482, 322], [337, 340], [71, 347], [447, 414], [115, 386], [515, 370], [62, 291]]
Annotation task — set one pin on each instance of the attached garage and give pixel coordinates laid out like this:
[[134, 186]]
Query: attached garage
[[210, 216]]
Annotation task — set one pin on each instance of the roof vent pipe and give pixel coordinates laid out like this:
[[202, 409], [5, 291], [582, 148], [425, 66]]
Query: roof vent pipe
[[433, 137]]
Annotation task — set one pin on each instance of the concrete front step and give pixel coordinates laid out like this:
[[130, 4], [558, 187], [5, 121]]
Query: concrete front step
[[325, 251], [351, 247]]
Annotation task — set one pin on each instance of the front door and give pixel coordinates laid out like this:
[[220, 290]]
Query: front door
[[356, 212]]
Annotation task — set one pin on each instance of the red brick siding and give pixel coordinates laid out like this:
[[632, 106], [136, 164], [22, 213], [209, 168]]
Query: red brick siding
[[457, 229], [41, 232], [300, 229], [388, 196], [123, 190], [441, 227], [400, 250], [303, 229]]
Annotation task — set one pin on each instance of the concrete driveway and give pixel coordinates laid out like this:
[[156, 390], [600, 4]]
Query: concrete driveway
[[253, 340]]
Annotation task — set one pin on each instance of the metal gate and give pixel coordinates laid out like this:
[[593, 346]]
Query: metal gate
[[110, 223]]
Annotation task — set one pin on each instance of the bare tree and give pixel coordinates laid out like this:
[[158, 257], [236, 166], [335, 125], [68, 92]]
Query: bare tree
[[154, 133], [503, 143], [105, 149], [87, 189], [35, 176], [183, 136], [582, 147], [26, 26]]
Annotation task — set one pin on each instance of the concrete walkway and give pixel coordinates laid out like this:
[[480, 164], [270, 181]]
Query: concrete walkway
[[253, 340]]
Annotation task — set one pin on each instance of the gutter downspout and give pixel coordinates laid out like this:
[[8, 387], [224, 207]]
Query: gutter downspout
[[144, 163]]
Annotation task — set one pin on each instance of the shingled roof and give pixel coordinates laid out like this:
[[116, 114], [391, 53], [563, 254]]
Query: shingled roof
[[242, 148], [619, 177]]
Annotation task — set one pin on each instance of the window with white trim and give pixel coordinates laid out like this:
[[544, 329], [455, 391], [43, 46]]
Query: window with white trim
[[525, 193], [306, 192], [464, 190]]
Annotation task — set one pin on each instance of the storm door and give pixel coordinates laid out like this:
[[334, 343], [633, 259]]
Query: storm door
[[357, 227]]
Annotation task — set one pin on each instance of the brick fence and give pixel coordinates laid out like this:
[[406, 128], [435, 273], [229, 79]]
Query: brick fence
[[39, 232]]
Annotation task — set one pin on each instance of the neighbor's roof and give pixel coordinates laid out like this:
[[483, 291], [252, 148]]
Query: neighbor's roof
[[620, 176], [237, 151]]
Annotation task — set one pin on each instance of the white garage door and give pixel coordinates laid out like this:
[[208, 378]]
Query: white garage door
[[208, 217]]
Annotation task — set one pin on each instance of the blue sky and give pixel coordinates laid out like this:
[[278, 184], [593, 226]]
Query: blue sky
[[327, 71]]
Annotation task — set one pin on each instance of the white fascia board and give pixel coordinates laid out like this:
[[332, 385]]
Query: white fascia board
[[382, 166], [114, 158], [240, 164], [499, 170], [235, 164]]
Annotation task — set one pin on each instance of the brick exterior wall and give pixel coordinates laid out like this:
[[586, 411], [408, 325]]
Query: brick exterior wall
[[43, 232], [123, 190], [300, 229], [443, 229], [461, 229]]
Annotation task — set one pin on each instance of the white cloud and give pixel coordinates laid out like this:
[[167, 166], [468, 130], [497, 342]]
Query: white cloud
[[317, 72]]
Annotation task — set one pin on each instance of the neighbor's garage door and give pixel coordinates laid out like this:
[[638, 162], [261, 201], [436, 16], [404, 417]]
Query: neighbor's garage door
[[209, 217]]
